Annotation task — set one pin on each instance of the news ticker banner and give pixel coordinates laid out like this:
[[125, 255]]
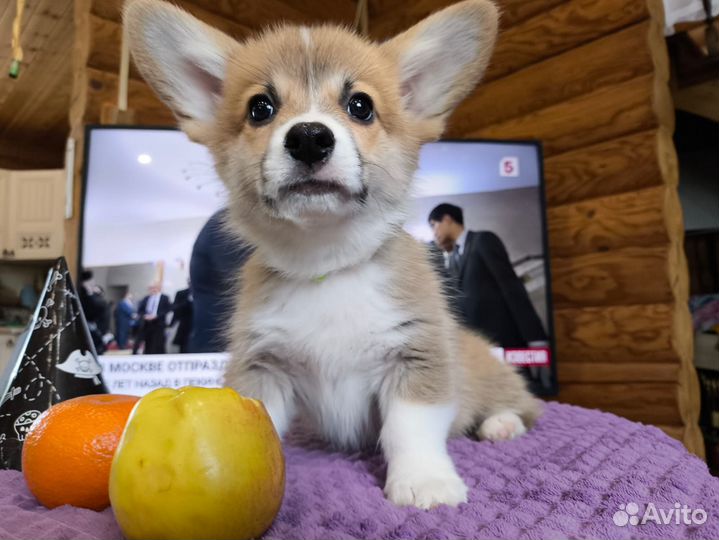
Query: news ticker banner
[[139, 374], [533, 356]]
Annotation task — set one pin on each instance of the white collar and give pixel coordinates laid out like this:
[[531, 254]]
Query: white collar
[[461, 241]]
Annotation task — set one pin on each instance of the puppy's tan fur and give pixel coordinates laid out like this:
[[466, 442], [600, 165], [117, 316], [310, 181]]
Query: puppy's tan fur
[[422, 356], [444, 359]]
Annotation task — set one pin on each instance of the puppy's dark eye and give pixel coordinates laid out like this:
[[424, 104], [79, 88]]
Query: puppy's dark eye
[[360, 107], [260, 109]]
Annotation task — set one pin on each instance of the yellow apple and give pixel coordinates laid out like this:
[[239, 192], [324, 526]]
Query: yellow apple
[[197, 463]]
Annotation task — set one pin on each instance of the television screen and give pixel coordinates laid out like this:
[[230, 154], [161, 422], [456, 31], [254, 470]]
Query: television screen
[[478, 205]]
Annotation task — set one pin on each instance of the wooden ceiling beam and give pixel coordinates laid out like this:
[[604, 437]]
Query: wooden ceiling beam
[[258, 14], [111, 10], [106, 41], [388, 19], [32, 153], [102, 91], [253, 14], [339, 11], [240, 17]]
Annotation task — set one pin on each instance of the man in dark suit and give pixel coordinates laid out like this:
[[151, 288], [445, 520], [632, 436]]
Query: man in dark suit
[[125, 318], [487, 294], [96, 310], [152, 313], [182, 317], [215, 265]]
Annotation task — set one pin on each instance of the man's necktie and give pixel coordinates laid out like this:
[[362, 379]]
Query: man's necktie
[[454, 263]]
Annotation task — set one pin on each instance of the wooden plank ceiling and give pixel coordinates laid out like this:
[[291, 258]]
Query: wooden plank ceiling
[[34, 107]]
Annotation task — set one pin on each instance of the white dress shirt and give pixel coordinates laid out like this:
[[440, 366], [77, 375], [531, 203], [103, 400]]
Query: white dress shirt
[[153, 303], [459, 244]]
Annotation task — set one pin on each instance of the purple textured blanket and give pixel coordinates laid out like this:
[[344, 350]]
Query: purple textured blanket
[[578, 474]]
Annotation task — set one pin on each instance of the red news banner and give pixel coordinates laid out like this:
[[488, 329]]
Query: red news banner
[[530, 356]]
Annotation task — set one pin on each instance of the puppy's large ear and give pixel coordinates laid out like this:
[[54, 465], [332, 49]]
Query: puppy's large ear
[[182, 58], [442, 58]]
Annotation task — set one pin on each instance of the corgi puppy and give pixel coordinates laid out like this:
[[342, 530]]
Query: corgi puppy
[[316, 133]]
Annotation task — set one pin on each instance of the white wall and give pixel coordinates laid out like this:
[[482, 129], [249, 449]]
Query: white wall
[[137, 278], [113, 245], [513, 215]]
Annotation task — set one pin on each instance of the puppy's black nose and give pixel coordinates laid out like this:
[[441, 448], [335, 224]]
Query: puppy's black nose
[[309, 142]]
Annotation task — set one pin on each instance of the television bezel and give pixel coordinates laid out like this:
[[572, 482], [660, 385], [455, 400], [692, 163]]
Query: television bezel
[[544, 392]]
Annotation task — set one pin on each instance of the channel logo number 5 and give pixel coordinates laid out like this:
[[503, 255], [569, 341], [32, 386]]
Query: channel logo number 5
[[509, 167]]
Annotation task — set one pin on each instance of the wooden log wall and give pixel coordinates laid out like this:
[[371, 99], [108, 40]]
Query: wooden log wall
[[590, 80]]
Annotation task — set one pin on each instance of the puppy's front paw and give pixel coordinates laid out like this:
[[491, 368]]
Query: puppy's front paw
[[502, 426], [425, 489]]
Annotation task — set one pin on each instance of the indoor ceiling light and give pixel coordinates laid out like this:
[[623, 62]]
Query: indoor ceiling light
[[144, 159]]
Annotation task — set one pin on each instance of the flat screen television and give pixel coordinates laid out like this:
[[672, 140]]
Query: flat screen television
[[149, 191]]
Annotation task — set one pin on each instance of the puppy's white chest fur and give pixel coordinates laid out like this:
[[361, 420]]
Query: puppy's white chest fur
[[335, 338]]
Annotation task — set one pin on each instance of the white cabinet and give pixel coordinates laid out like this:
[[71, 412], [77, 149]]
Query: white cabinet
[[32, 207], [8, 342]]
